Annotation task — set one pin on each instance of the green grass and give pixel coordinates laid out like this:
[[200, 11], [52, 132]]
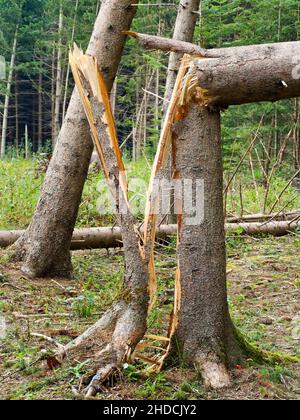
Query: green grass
[[20, 184]]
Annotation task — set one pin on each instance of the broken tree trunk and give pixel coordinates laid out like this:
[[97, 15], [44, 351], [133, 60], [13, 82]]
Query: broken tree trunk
[[106, 237], [238, 75], [45, 247], [205, 335], [114, 338]]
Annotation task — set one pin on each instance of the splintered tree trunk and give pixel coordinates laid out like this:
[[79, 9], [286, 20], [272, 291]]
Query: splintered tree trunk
[[45, 247], [205, 333]]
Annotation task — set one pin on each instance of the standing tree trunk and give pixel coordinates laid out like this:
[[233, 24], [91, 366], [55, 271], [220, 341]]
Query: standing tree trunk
[[205, 333], [17, 139], [45, 247], [205, 336], [40, 112], [7, 95], [58, 88]]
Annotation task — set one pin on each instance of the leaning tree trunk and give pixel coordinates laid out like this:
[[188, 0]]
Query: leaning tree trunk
[[205, 333], [45, 247]]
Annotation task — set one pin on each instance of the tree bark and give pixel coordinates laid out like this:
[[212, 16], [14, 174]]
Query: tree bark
[[45, 247], [128, 326], [205, 334]]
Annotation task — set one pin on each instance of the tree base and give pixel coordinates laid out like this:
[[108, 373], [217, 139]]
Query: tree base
[[108, 344], [39, 263]]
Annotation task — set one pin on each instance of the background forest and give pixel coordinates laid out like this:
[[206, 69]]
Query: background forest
[[43, 31], [35, 37]]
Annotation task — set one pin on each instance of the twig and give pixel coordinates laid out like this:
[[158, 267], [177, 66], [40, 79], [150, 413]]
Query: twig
[[49, 339], [284, 190], [250, 147]]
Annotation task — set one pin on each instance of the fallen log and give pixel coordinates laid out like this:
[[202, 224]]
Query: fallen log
[[258, 228], [260, 217], [106, 237]]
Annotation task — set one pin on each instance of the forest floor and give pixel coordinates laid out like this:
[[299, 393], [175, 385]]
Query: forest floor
[[264, 286]]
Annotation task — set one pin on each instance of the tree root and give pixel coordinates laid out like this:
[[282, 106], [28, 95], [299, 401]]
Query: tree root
[[108, 344], [213, 371], [260, 356]]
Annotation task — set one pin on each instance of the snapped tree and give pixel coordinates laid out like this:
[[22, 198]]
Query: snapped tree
[[216, 79], [202, 333]]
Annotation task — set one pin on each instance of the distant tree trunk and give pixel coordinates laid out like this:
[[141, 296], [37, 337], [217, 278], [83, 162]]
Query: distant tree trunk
[[40, 112], [184, 31], [17, 136], [7, 95], [205, 333], [68, 67], [58, 88], [45, 247]]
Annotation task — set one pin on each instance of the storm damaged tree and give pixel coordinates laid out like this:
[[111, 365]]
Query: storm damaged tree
[[113, 339], [205, 336], [201, 332], [45, 247]]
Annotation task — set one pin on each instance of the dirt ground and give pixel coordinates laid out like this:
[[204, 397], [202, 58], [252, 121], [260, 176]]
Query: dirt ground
[[264, 287]]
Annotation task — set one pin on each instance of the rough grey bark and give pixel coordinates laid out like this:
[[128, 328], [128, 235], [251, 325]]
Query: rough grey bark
[[205, 334], [45, 247]]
